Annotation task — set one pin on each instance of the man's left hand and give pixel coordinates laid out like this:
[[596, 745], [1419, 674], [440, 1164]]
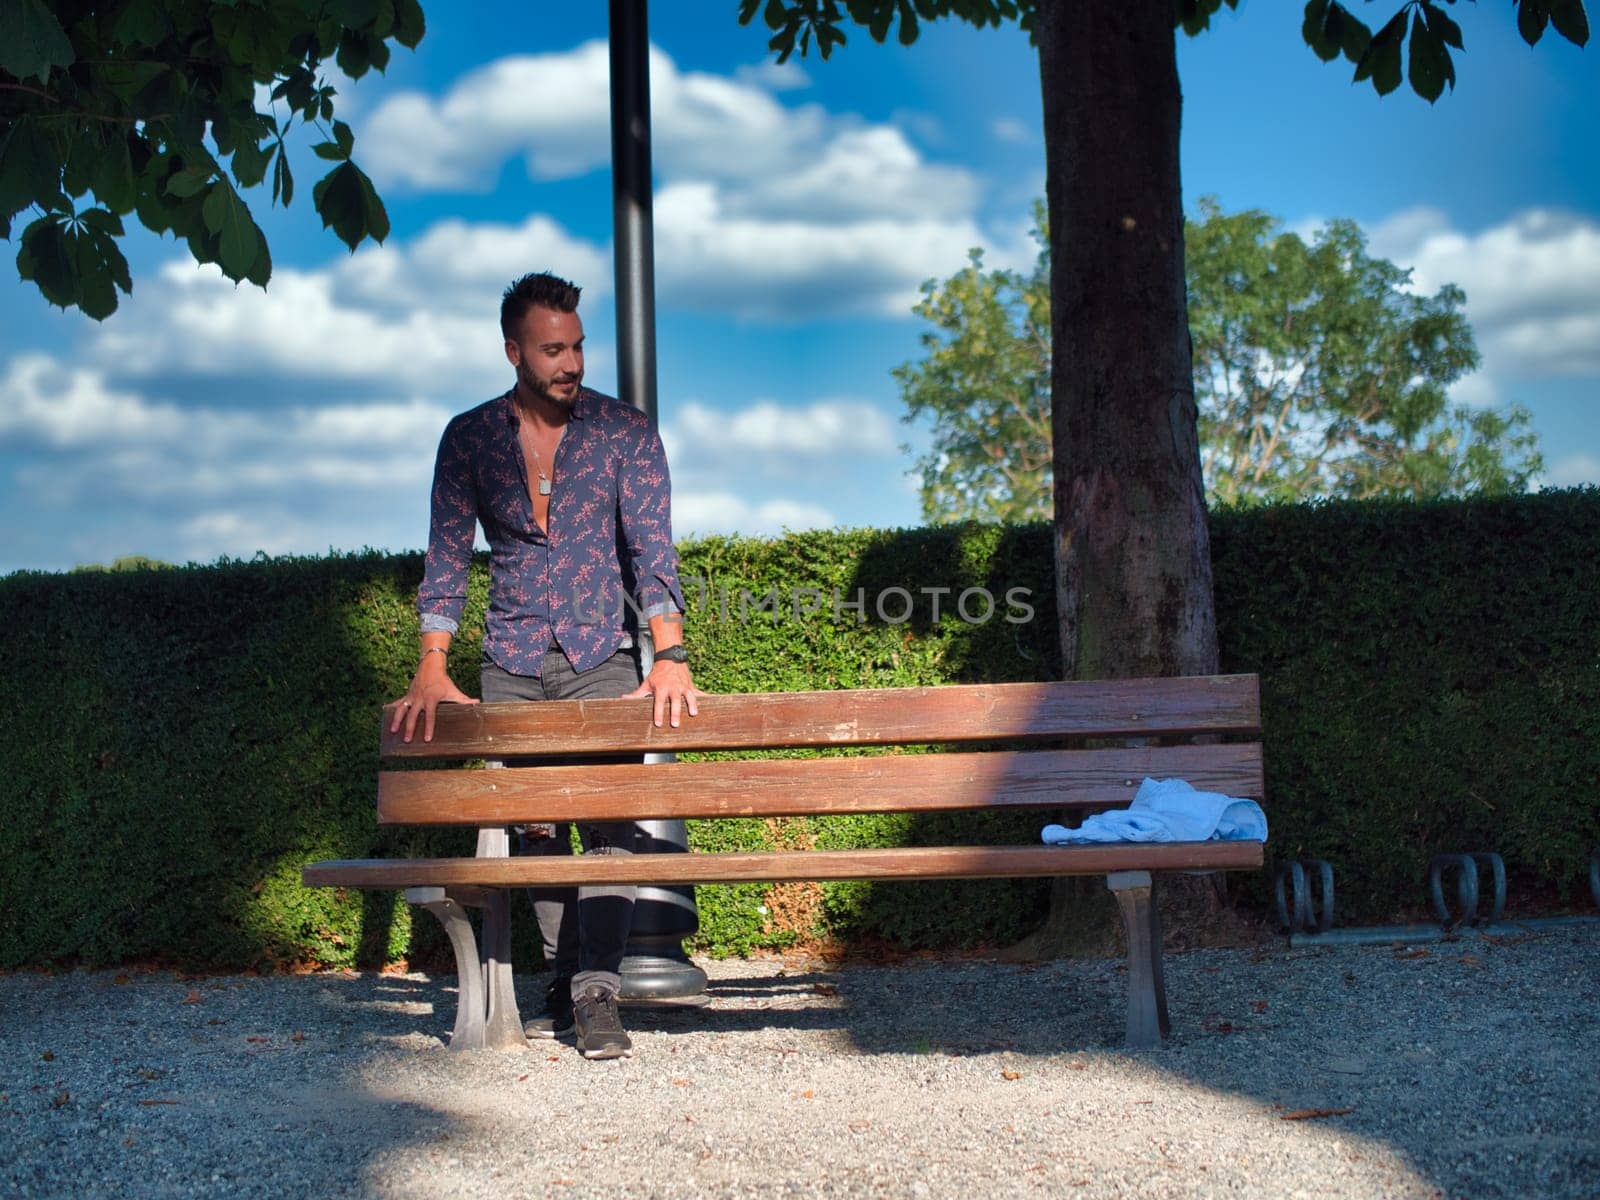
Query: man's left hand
[[673, 688]]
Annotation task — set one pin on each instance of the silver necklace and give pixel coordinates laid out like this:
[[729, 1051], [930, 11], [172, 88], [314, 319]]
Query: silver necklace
[[544, 480]]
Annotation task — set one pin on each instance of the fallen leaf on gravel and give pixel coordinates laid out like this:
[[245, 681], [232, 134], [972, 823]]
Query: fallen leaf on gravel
[[1010, 1074], [148, 1103], [1311, 1114], [522, 1079], [1259, 1005], [1468, 960], [216, 1021], [193, 997], [808, 1095], [48, 1056], [148, 1074], [824, 989], [680, 1083], [1144, 1101], [553, 1058], [260, 1041], [123, 979], [297, 1036], [1422, 953], [860, 1126], [61, 1099]]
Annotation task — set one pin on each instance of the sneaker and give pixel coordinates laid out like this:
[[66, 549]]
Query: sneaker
[[556, 1020], [600, 1032]]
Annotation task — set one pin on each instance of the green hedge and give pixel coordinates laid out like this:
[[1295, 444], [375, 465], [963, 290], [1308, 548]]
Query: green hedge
[[180, 742]]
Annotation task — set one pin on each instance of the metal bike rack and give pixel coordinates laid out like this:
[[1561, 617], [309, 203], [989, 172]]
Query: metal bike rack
[[1305, 914], [1467, 889]]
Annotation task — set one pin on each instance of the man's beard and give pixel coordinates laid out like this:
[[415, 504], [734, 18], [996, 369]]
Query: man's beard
[[543, 390]]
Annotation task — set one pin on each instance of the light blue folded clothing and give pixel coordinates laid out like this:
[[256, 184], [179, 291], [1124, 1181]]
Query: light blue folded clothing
[[1169, 810]]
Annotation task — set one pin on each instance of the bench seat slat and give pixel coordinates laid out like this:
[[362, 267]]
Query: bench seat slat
[[907, 862], [790, 787], [1178, 706]]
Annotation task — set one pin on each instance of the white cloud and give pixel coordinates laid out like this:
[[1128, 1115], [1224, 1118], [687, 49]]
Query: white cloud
[[1573, 470], [774, 76], [1532, 285], [767, 437], [420, 316], [46, 403], [208, 479], [1010, 129], [697, 513], [1476, 391], [552, 110], [861, 172], [709, 257]]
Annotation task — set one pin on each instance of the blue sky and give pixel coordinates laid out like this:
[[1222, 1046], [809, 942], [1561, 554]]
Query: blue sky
[[798, 209]]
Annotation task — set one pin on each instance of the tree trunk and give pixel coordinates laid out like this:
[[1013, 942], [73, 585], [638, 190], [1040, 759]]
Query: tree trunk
[[1133, 555]]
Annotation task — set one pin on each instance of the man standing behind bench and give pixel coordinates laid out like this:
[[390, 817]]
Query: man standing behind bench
[[572, 491]]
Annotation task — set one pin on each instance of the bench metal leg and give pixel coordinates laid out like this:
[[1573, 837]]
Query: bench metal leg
[[1148, 1022], [470, 1030], [503, 1023]]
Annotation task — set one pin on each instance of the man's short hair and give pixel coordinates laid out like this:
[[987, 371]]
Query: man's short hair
[[542, 290]]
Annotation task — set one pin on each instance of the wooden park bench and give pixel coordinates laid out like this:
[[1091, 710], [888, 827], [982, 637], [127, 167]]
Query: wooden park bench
[[1020, 745]]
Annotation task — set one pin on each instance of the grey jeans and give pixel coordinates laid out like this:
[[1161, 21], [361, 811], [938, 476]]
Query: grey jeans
[[584, 930]]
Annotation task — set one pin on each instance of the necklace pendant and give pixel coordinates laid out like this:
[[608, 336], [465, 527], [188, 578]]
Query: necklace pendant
[[544, 486]]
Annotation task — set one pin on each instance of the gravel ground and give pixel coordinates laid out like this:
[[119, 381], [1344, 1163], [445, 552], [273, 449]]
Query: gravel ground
[[1468, 1069]]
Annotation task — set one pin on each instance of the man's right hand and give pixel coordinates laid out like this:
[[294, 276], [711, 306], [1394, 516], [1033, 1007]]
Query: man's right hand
[[430, 687]]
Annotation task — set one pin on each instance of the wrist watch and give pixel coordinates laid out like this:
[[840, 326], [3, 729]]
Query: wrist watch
[[672, 654]]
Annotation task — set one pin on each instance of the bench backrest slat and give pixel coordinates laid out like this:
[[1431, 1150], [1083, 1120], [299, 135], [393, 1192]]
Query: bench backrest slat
[[790, 787], [1181, 706]]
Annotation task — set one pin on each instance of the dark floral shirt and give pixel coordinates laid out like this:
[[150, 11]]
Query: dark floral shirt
[[610, 533]]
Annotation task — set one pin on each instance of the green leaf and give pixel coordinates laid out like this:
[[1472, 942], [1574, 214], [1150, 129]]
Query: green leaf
[[1381, 62], [1570, 20], [191, 181], [113, 182], [1430, 61], [282, 179], [908, 23], [1444, 25], [115, 263], [354, 12], [229, 219], [49, 261], [1357, 36], [343, 136], [331, 150], [409, 25], [142, 23], [261, 270], [355, 54], [1532, 16], [97, 293], [350, 205], [32, 41], [30, 167], [251, 159]]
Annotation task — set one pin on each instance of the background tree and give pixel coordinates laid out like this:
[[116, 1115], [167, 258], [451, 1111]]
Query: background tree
[[1133, 555], [984, 386], [1318, 372], [151, 107]]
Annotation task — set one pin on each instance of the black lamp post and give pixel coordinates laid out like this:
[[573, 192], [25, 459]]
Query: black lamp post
[[655, 966]]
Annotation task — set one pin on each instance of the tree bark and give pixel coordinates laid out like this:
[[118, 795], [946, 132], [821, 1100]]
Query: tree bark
[[1133, 553]]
